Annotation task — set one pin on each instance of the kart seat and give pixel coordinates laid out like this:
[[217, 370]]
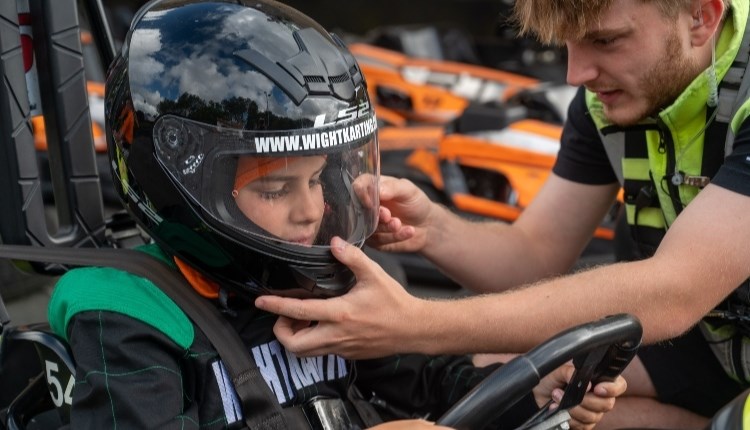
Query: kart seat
[[47, 380]]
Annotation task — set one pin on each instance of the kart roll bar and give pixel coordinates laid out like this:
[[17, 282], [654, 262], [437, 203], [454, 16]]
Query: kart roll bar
[[101, 31], [64, 102]]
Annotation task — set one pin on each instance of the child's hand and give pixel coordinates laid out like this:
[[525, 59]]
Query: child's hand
[[594, 405]]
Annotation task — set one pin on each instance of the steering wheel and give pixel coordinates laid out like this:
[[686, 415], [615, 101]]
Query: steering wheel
[[600, 350]]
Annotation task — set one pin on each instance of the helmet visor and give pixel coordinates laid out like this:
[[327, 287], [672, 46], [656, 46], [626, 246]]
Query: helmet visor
[[291, 189]]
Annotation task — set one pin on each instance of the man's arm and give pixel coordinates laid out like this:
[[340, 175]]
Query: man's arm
[[703, 258], [546, 240]]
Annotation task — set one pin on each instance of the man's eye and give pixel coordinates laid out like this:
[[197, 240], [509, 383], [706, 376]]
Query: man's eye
[[605, 41]]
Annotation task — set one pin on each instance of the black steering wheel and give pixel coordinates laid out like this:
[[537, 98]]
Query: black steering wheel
[[600, 351]]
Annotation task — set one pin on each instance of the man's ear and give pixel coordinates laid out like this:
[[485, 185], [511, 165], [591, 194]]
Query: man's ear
[[698, 20], [706, 20]]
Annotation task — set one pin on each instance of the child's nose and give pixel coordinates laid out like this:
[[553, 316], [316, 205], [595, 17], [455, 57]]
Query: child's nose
[[309, 207]]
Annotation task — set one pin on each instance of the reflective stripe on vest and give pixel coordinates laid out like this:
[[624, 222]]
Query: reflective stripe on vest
[[730, 346]]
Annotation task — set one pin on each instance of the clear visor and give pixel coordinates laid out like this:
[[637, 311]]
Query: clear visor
[[291, 188]]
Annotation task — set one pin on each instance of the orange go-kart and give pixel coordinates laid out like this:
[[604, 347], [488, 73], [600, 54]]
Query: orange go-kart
[[478, 140]]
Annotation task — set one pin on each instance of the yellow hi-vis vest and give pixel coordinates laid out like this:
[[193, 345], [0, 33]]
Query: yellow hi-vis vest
[[663, 162]]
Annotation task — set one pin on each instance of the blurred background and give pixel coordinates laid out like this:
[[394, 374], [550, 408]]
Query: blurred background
[[472, 31]]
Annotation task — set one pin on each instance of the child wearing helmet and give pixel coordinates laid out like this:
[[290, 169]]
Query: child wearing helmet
[[283, 196], [251, 129]]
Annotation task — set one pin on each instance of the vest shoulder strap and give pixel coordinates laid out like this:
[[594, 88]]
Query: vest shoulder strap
[[734, 89]]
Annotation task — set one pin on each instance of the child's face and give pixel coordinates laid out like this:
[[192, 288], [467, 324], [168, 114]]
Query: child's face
[[287, 202]]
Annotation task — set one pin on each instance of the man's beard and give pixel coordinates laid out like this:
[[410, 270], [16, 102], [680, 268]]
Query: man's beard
[[669, 78], [666, 80]]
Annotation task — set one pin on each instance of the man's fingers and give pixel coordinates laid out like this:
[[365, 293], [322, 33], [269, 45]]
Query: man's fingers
[[354, 258], [387, 187], [297, 337], [285, 328], [379, 239], [366, 188], [388, 224], [384, 215], [304, 343], [301, 310]]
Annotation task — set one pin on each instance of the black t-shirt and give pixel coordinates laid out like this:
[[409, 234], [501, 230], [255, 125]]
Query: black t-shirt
[[582, 157], [734, 174]]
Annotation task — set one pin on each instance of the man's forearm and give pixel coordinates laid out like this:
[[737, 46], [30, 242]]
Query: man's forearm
[[521, 319], [483, 256]]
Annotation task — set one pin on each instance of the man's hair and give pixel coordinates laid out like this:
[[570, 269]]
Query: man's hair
[[555, 21]]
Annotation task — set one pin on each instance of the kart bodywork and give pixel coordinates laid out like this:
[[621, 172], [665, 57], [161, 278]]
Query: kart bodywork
[[425, 90]]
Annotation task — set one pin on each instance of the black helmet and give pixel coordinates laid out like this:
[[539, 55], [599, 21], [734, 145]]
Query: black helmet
[[242, 139]]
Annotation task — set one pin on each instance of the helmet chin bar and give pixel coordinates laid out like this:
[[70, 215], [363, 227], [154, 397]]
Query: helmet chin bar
[[319, 282]]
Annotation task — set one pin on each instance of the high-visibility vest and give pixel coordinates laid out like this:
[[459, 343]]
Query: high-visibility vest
[[663, 163]]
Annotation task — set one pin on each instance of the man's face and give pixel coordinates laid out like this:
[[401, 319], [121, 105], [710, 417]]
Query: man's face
[[287, 202], [635, 59]]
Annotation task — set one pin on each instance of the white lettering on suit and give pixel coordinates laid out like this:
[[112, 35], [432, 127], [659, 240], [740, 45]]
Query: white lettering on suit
[[284, 372]]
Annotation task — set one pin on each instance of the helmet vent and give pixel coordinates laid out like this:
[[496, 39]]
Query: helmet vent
[[338, 78], [319, 68]]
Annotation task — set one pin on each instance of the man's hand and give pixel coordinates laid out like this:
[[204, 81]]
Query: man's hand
[[404, 217], [594, 405], [346, 325]]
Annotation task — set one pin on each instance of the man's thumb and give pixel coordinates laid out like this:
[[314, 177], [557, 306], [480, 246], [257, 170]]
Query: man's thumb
[[349, 255]]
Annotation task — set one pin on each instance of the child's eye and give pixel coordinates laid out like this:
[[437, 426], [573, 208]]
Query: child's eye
[[274, 194], [315, 182]]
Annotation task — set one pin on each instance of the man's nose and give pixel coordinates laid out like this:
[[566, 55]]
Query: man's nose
[[582, 67]]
